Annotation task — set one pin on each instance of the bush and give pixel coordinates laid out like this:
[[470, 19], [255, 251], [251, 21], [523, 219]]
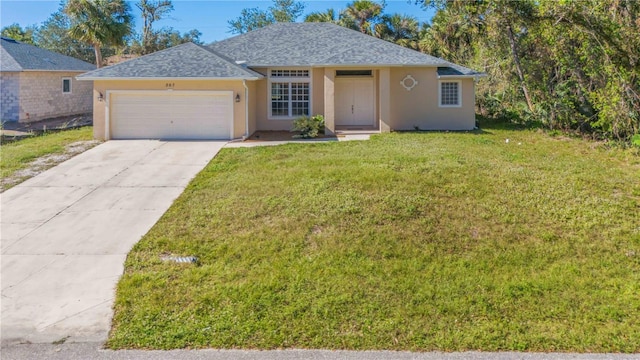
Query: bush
[[309, 127], [635, 140]]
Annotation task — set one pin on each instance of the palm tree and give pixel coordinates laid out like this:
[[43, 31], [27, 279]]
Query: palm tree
[[327, 16], [364, 12], [99, 23], [400, 29]]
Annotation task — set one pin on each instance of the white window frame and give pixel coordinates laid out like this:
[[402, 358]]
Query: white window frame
[[459, 82], [70, 85], [289, 80]]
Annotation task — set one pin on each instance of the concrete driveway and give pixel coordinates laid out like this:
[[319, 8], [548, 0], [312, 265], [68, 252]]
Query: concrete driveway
[[66, 232]]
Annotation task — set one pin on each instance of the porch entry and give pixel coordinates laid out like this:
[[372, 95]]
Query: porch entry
[[354, 101]]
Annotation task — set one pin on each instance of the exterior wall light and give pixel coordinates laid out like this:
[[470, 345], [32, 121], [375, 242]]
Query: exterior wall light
[[100, 97], [237, 97]]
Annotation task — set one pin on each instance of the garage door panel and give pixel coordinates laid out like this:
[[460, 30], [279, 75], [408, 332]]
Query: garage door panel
[[175, 115]]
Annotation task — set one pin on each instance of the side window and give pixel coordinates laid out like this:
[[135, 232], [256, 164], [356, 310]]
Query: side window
[[66, 85], [449, 94]]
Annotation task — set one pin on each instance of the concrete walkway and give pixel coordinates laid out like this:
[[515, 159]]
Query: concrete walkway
[[254, 143], [94, 351], [66, 233]]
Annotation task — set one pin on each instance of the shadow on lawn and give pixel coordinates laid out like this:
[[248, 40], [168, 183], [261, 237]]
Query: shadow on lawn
[[485, 125]]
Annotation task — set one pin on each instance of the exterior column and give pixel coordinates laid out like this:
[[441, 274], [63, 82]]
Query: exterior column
[[329, 102], [385, 100]]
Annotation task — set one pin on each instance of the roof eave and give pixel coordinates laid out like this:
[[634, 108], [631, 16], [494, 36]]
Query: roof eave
[[341, 65], [94, 78], [471, 76], [46, 70]]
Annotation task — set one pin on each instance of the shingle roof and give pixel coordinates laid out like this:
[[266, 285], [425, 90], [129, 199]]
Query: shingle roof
[[183, 61], [320, 44], [456, 70], [18, 56]]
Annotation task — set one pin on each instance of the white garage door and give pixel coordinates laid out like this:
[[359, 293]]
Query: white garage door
[[171, 115]]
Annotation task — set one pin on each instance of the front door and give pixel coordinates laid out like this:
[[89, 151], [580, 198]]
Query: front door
[[354, 102]]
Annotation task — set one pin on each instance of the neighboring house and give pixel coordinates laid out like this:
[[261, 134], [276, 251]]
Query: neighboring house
[[264, 79], [38, 84]]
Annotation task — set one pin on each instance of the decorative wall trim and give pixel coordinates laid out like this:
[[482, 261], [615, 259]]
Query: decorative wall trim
[[409, 82]]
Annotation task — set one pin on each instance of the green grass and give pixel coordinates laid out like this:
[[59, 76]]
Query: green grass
[[17, 155], [409, 241]]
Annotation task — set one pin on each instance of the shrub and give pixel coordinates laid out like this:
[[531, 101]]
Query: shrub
[[309, 127]]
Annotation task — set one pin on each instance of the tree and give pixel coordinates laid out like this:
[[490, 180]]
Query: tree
[[163, 39], [365, 13], [99, 23], [53, 35], [152, 11], [571, 65], [286, 10], [255, 18], [16, 32], [327, 16], [400, 29]]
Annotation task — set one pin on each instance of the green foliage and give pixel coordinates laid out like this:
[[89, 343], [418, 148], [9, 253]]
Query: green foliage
[[53, 35], [635, 140], [16, 32], [570, 65], [409, 241], [99, 23], [151, 11], [309, 127], [327, 16], [400, 29], [162, 39], [365, 13], [255, 18], [152, 40]]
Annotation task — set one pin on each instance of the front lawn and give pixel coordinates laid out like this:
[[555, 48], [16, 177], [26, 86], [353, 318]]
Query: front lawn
[[409, 241]]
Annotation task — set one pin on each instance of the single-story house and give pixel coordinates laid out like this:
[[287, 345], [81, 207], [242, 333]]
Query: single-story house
[[264, 79], [38, 84]]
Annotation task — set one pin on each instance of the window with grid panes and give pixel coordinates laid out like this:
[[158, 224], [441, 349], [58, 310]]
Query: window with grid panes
[[290, 93], [449, 93]]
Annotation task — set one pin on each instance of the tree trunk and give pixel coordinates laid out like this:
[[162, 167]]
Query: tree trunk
[[96, 47], [516, 60]]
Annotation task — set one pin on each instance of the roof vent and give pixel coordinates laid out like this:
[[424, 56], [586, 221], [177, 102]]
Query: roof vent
[[242, 63]]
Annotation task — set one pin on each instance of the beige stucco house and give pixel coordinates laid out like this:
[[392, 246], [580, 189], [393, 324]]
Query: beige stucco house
[[38, 84], [264, 79]]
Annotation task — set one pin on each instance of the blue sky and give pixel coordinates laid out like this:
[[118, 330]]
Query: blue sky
[[208, 16]]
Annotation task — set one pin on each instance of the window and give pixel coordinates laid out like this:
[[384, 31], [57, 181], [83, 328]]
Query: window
[[449, 94], [353, 72], [290, 93], [66, 85], [290, 73]]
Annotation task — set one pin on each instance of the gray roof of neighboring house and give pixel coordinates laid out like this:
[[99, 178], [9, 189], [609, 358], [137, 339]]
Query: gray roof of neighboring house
[[321, 44], [183, 61], [18, 56]]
